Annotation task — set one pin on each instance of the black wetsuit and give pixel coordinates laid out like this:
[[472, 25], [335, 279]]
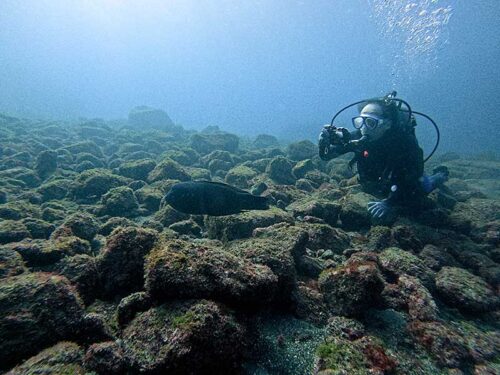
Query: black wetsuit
[[395, 159]]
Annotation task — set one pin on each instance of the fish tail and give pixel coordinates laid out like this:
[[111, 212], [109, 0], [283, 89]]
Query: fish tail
[[255, 202]]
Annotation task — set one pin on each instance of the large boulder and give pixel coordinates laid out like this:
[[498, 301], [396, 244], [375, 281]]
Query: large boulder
[[120, 201], [353, 213], [80, 224], [279, 170], [144, 117], [302, 168], [396, 262], [301, 150], [265, 140], [137, 169], [445, 344], [277, 254], [36, 311], [227, 228], [463, 290], [40, 253], [240, 176], [320, 208], [55, 189], [351, 289], [89, 147], [13, 231], [81, 270], [189, 337], [46, 163], [62, 358], [180, 269], [411, 295], [366, 355], [106, 358], [121, 264], [11, 263], [206, 143], [168, 169], [93, 183]]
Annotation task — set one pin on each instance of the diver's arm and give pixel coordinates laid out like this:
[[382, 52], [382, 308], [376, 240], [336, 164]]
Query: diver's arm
[[334, 142]]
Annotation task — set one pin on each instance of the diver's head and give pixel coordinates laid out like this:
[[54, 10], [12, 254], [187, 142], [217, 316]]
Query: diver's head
[[373, 121]]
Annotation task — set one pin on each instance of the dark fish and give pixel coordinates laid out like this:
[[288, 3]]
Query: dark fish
[[212, 198]]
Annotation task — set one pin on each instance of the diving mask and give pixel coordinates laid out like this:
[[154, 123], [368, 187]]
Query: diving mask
[[369, 121]]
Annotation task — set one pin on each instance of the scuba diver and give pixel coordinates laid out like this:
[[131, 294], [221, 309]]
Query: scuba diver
[[389, 161]]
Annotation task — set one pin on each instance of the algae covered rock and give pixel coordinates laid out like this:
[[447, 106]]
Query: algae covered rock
[[444, 343], [82, 225], [240, 176], [265, 140], [354, 214], [302, 168], [436, 258], [412, 296], [349, 290], [18, 210], [188, 227], [320, 208], [11, 263], [301, 150], [81, 270], [95, 182], [168, 169], [279, 170], [63, 358], [55, 189], [150, 118], [206, 143], [36, 311], [168, 216], [149, 197], [39, 228], [232, 227], [397, 262], [184, 338], [179, 269], [113, 223], [465, 291], [120, 201], [358, 357], [308, 304], [121, 264], [131, 305], [106, 358], [37, 253], [46, 163], [137, 169], [12, 231], [89, 147], [279, 256]]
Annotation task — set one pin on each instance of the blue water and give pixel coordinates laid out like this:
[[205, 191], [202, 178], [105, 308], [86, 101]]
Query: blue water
[[282, 67]]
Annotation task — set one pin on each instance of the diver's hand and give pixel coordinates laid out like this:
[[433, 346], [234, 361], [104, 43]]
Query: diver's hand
[[379, 209], [324, 136]]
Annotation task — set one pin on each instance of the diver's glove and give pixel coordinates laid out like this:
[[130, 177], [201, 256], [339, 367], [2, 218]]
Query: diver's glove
[[439, 177], [379, 209], [324, 137]]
